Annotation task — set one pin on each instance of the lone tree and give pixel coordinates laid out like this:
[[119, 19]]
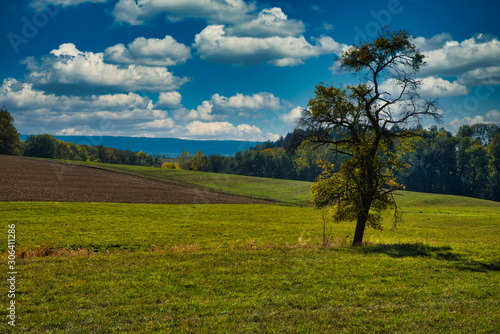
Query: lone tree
[[9, 137], [369, 124]]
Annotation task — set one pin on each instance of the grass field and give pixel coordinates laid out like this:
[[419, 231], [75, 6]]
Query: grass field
[[130, 268]]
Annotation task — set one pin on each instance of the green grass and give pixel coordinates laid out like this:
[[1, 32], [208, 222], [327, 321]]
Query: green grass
[[254, 269]]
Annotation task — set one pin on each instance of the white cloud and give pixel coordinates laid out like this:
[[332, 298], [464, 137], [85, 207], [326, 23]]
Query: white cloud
[[220, 107], [455, 124], [149, 52], [226, 130], [430, 87], [165, 123], [128, 114], [214, 45], [240, 102], [214, 11], [293, 116], [112, 114], [438, 87], [434, 43], [481, 76], [202, 112], [455, 58], [70, 71], [41, 4], [269, 22], [492, 116], [169, 100]]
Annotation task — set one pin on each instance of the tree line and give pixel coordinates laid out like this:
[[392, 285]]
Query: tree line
[[467, 163], [47, 146]]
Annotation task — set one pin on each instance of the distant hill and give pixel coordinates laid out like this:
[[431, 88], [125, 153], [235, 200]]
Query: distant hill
[[168, 146]]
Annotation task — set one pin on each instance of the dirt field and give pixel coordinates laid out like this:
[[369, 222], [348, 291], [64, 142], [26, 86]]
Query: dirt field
[[24, 179]]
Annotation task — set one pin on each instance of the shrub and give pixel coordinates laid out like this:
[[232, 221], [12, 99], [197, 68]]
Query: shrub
[[170, 165]]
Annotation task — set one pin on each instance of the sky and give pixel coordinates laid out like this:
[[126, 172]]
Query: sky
[[226, 69]]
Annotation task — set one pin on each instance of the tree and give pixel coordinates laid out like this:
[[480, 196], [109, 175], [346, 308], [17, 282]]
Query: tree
[[9, 137], [494, 152], [367, 123], [199, 162], [185, 160], [41, 146]]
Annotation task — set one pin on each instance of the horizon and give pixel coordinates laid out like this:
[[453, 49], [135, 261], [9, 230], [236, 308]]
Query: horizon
[[226, 70]]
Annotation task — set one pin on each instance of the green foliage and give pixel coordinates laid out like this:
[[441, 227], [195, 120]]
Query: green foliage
[[199, 162], [40, 146], [47, 146], [9, 137], [460, 165]]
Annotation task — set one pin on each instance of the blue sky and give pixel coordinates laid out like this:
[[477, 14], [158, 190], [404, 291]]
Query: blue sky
[[225, 69]]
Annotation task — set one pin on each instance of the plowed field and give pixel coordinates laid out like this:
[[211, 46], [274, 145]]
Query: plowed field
[[23, 179]]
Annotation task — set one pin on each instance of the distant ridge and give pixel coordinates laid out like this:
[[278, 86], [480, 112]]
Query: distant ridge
[[168, 146]]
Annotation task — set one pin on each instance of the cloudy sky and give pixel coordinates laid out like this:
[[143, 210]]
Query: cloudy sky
[[225, 69]]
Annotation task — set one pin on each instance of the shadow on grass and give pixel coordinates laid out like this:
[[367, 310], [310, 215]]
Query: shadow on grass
[[434, 252]]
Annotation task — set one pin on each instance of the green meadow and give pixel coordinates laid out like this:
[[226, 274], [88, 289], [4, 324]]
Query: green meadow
[[143, 268]]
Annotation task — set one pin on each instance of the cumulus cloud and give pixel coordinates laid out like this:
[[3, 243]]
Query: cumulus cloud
[[429, 87], [240, 102], [169, 100], [47, 112], [481, 76], [434, 43], [220, 107], [455, 124], [149, 52], [210, 119], [269, 22], [293, 116], [214, 11], [226, 130], [451, 58], [70, 71], [130, 114], [202, 112], [492, 116], [214, 45], [439, 87]]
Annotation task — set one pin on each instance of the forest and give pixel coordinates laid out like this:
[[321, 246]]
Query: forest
[[467, 163]]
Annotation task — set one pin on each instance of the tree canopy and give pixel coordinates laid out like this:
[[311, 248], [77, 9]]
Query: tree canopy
[[369, 123], [9, 137]]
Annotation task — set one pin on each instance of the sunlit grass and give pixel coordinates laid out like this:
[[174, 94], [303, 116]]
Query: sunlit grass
[[143, 268]]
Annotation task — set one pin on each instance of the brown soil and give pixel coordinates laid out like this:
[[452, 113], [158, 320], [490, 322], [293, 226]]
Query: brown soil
[[23, 179]]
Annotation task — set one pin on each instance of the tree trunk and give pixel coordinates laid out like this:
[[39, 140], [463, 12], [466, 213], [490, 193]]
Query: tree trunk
[[360, 230], [361, 221]]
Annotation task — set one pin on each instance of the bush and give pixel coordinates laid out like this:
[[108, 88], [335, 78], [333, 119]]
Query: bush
[[170, 165]]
